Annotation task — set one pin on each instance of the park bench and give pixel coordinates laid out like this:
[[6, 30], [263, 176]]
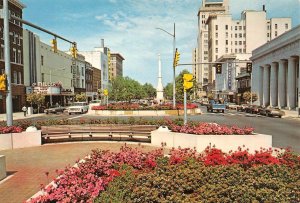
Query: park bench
[[63, 133]]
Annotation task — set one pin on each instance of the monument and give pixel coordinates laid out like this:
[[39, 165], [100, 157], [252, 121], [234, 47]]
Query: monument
[[160, 88]]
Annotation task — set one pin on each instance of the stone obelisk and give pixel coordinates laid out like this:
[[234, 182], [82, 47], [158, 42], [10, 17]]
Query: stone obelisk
[[160, 88]]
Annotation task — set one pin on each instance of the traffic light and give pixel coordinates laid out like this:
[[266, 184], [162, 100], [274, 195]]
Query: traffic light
[[54, 45], [74, 50], [187, 81], [105, 92], [249, 68], [176, 58], [3, 82], [219, 68]]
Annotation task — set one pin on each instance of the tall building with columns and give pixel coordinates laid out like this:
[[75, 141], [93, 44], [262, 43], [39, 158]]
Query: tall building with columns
[[276, 71]]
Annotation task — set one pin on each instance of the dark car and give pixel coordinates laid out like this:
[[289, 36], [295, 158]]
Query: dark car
[[55, 109], [271, 112], [242, 107], [254, 109]]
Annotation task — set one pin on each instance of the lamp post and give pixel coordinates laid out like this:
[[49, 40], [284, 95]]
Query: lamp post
[[174, 41], [50, 78]]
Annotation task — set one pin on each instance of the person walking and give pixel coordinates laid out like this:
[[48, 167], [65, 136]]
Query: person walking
[[24, 109]]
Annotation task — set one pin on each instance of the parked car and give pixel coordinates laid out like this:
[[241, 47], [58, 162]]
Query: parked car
[[214, 106], [78, 107], [55, 109], [242, 107], [255, 109], [271, 112], [232, 106]]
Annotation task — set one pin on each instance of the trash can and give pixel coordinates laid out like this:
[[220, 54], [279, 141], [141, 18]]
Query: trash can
[[29, 111]]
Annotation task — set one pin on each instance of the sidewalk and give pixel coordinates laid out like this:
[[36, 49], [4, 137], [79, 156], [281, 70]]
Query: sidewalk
[[19, 115], [291, 114]]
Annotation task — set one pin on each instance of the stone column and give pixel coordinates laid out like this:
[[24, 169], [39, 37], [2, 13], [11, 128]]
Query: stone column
[[266, 87], [281, 84], [260, 85], [291, 85], [274, 85]]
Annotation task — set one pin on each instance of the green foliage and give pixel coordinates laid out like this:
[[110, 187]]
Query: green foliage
[[247, 96], [149, 90], [191, 181], [168, 91], [126, 89], [80, 97], [36, 98]]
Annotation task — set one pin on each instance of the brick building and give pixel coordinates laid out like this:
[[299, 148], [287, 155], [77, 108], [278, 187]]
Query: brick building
[[16, 57]]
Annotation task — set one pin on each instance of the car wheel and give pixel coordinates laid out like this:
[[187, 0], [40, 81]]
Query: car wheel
[[69, 113], [81, 111], [279, 116], [223, 111]]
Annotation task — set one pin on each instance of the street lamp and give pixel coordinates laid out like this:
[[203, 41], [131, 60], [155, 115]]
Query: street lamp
[[51, 84], [174, 89]]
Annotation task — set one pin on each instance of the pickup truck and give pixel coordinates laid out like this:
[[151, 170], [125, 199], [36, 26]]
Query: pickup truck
[[78, 107], [213, 106]]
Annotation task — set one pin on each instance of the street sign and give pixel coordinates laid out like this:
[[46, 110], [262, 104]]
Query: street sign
[[187, 81], [105, 92]]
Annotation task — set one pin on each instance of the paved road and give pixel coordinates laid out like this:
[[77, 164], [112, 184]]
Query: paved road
[[285, 132]]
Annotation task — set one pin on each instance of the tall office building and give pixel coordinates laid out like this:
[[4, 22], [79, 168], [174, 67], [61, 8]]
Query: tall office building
[[208, 7], [220, 34]]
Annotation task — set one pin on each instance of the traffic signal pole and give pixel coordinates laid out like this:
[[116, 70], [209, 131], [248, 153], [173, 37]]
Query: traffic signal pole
[[9, 109], [184, 107]]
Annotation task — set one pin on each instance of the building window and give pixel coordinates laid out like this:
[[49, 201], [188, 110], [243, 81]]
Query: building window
[[216, 57], [240, 50], [235, 28], [275, 26], [216, 42], [216, 50], [82, 71], [240, 27], [235, 50], [14, 56], [275, 33], [240, 35], [226, 27], [226, 42], [286, 26], [2, 52], [71, 83], [235, 35], [216, 34], [226, 34], [240, 42], [20, 78], [42, 60], [82, 83], [216, 27], [226, 50], [244, 42], [43, 77], [19, 57], [244, 50], [268, 34], [15, 77], [235, 42]]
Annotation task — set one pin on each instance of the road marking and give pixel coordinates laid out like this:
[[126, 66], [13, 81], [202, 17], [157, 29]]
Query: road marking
[[75, 117]]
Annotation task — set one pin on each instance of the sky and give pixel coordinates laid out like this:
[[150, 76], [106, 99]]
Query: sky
[[129, 27]]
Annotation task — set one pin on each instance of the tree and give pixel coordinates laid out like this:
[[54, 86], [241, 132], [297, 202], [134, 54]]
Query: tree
[[149, 90], [247, 96], [168, 91], [210, 96], [80, 97], [36, 98]]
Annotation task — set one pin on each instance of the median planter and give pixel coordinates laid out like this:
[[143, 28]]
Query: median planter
[[144, 112], [224, 142], [20, 140], [2, 167]]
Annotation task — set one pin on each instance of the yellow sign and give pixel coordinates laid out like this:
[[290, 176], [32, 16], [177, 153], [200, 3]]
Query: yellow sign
[[105, 92], [3, 82], [187, 81]]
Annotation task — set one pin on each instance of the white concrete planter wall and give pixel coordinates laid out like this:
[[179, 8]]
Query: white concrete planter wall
[[2, 167], [20, 140], [200, 142], [142, 112]]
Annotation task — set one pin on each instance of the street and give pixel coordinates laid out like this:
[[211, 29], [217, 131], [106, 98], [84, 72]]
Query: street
[[285, 132]]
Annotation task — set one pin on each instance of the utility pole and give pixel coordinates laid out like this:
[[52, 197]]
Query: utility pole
[[9, 109]]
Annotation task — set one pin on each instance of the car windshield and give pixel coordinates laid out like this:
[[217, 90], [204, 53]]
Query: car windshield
[[78, 104]]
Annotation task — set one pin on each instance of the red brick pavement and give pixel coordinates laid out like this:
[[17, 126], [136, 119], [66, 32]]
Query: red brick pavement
[[28, 166]]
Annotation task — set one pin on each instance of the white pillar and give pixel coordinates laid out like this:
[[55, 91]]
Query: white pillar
[[260, 85], [281, 84], [291, 90], [273, 85], [266, 88]]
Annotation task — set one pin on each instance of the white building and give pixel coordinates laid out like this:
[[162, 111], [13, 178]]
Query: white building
[[208, 7], [223, 35], [225, 83], [98, 58], [45, 71], [276, 71]]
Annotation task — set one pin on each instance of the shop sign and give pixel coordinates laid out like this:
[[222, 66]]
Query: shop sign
[[46, 90], [47, 84], [66, 92]]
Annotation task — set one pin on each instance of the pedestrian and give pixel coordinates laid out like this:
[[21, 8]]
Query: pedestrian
[[24, 109]]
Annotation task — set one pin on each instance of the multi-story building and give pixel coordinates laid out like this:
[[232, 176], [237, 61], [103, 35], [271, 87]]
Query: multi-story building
[[89, 82], [276, 71], [47, 72], [96, 82], [227, 36], [98, 58], [208, 7], [16, 56], [78, 71], [116, 65]]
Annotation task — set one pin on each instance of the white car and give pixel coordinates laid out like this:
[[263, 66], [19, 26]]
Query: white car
[[78, 107]]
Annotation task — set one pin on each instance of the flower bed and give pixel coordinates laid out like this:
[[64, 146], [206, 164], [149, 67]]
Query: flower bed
[[10, 129], [185, 176]]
